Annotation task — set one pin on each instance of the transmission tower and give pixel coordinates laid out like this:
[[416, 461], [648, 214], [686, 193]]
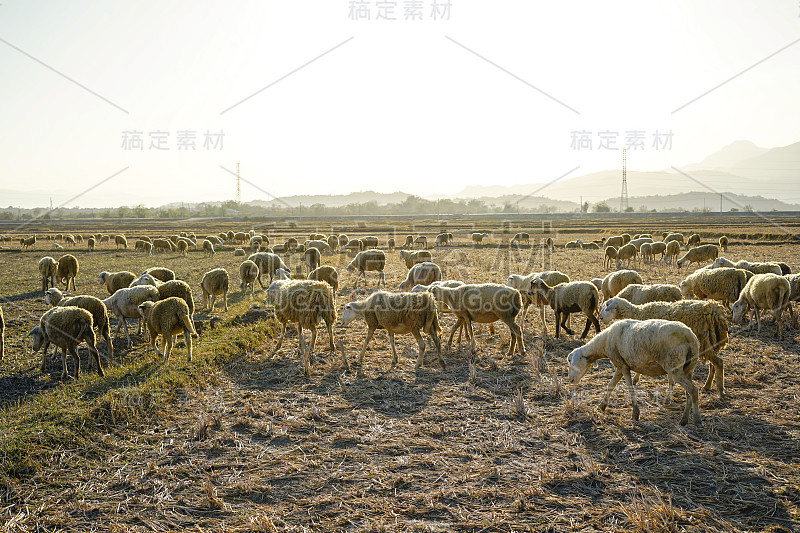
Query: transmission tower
[[623, 197], [238, 186]]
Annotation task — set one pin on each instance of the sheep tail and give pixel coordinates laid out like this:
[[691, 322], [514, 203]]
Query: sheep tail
[[187, 324]]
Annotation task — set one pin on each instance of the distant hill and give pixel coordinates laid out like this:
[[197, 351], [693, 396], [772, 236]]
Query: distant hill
[[692, 201], [729, 156]]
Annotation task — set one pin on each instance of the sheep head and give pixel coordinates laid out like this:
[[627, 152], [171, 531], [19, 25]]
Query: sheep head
[[578, 366]]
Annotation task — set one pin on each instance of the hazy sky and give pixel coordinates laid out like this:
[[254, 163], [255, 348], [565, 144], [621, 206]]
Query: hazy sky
[[420, 106]]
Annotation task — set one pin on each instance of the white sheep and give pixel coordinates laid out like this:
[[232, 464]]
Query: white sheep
[[66, 327], [67, 270], [48, 268], [421, 273], [720, 284], [214, 283], [567, 298], [610, 256], [638, 294], [413, 258], [477, 238], [124, 304], [115, 281], [754, 267], [673, 248], [311, 258], [267, 264], [523, 285], [248, 272], [168, 317], [649, 347], [366, 261], [627, 253], [763, 291], [618, 280], [328, 274], [208, 248], [706, 252], [399, 313], [54, 297]]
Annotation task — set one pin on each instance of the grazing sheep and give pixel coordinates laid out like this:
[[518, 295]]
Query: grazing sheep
[[649, 347], [646, 250], [610, 256], [333, 242], [521, 238], [390, 244], [305, 303], [368, 260], [370, 241], [441, 240], [57, 246], [168, 318], [401, 313], [267, 264], [105, 238], [311, 258], [573, 244], [699, 254], [694, 240], [477, 238], [523, 285], [658, 248], [239, 252], [66, 327], [69, 239], [248, 272], [178, 288], [755, 268], [48, 268], [616, 281], [421, 273], [54, 297], [67, 270], [484, 303], [674, 237], [90, 244], [720, 284], [327, 274], [291, 244], [671, 252], [626, 252], [413, 258], [120, 240], [616, 241], [639, 294], [548, 243], [706, 319], [637, 243], [723, 243], [115, 281], [28, 243], [163, 245], [763, 291], [354, 246], [216, 241], [409, 242], [343, 240], [145, 279], [139, 245], [183, 248], [421, 240], [215, 282], [208, 248], [124, 304], [322, 246], [590, 246], [567, 298]]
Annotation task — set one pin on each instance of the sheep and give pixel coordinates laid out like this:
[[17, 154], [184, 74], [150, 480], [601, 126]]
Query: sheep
[[573, 244], [120, 240], [90, 244], [115, 281], [720, 284], [138, 245], [637, 243], [441, 240], [390, 244], [146, 279], [650, 347], [2, 334], [590, 246], [215, 282], [69, 239], [124, 304], [304, 302], [409, 242], [322, 246], [421, 240], [706, 252], [28, 243], [183, 248], [523, 285], [638, 294], [755, 268], [239, 237], [785, 269], [370, 241], [311, 258], [267, 264], [405, 312], [164, 245], [548, 243], [54, 297], [329, 275], [616, 281], [794, 296], [333, 242], [48, 268], [615, 241], [706, 319], [168, 317], [610, 256], [208, 248], [424, 273], [216, 241], [694, 240], [67, 270], [354, 246], [291, 244], [66, 327], [657, 248], [483, 303], [343, 240], [105, 238], [626, 252], [674, 237], [239, 252], [646, 249], [723, 243], [567, 298], [413, 258], [57, 246], [626, 238], [477, 238], [368, 260], [521, 238], [763, 291], [248, 272], [177, 288], [671, 252]]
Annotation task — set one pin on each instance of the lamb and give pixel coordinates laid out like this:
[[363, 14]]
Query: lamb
[[214, 283], [421, 273], [90, 244], [67, 270], [477, 238], [484, 303], [305, 303], [146, 279], [311, 257], [368, 260], [611, 255], [626, 253], [168, 317], [406, 312], [208, 248], [706, 252], [671, 251], [327, 274], [267, 264], [523, 285], [646, 249], [763, 291], [179, 289], [413, 258], [421, 240], [567, 298], [650, 347], [54, 297], [248, 272], [238, 252], [706, 319], [641, 294], [124, 304], [723, 243], [66, 327], [720, 284], [616, 281], [48, 268], [115, 281], [120, 240]]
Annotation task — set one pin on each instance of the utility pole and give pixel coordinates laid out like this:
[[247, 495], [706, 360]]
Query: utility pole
[[623, 197], [580, 207], [720, 202], [238, 186]]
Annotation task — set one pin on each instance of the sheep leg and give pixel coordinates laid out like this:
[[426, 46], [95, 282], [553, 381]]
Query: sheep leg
[[381, 279], [64, 372], [394, 351], [517, 331], [44, 355], [564, 318], [94, 356], [758, 319], [458, 325], [188, 336], [437, 342], [611, 385], [471, 335], [421, 344], [544, 324], [225, 299], [109, 344], [717, 373], [370, 331], [313, 329], [558, 323], [589, 321], [125, 327], [692, 397], [626, 373], [330, 335], [778, 312], [280, 339]]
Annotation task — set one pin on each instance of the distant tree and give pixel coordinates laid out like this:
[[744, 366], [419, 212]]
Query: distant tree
[[585, 207], [602, 207], [629, 209], [748, 208]]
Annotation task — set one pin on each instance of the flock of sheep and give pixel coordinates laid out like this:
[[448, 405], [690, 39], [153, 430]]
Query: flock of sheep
[[655, 329]]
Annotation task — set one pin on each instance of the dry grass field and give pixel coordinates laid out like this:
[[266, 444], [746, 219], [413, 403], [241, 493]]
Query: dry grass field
[[241, 440]]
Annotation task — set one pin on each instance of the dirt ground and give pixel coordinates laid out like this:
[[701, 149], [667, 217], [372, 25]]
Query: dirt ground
[[485, 445]]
